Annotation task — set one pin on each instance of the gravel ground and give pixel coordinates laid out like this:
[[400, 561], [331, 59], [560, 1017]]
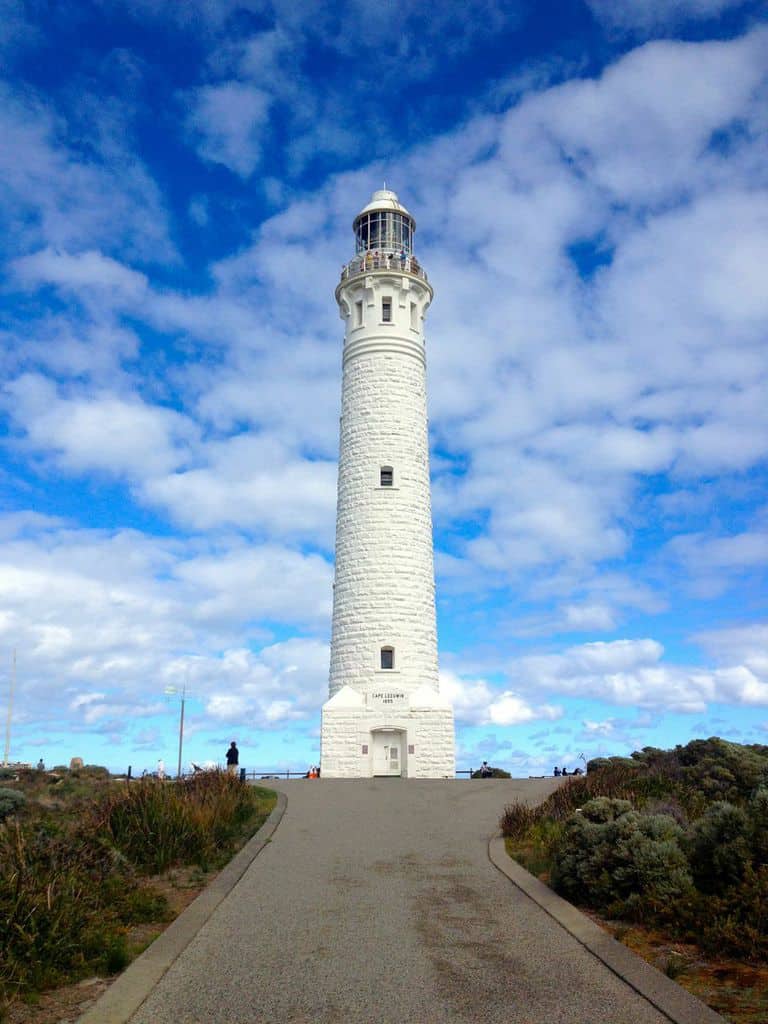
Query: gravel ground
[[376, 902]]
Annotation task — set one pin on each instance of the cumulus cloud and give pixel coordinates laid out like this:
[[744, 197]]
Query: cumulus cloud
[[648, 15], [228, 122], [633, 673], [54, 194], [107, 433], [108, 620], [477, 703], [80, 272]]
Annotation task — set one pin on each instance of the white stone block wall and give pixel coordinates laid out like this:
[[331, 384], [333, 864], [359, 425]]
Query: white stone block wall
[[346, 731], [435, 756], [384, 591]]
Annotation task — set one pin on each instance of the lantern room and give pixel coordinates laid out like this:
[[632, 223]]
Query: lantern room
[[384, 226]]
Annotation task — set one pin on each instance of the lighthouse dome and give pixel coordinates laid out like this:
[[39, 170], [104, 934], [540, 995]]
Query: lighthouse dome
[[384, 225]]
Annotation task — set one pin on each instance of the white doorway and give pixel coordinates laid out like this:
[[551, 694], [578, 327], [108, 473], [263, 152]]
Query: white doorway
[[387, 752]]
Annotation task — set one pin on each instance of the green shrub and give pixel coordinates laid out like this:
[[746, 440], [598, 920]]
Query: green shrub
[[10, 802], [719, 847], [677, 838], [613, 858], [734, 923], [758, 824], [493, 773]]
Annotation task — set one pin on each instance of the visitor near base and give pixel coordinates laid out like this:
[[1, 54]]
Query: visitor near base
[[233, 758]]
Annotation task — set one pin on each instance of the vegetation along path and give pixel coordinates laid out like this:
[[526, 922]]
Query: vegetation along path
[[376, 900]]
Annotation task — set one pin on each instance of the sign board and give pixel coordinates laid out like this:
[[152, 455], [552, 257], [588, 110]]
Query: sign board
[[388, 699]]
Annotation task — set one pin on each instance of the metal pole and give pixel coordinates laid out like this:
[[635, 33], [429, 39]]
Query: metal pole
[[10, 712], [181, 733]]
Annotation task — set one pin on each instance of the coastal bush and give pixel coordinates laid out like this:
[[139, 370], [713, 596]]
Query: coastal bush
[[71, 879], [10, 802], [719, 847], [677, 838], [65, 896], [493, 773], [615, 859], [157, 824]]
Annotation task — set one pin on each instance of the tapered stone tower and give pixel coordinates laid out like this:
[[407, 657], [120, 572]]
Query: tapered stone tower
[[385, 715]]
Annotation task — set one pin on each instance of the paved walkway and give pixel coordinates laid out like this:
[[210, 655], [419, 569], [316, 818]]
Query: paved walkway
[[375, 902]]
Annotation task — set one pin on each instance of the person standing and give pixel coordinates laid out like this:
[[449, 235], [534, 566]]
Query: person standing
[[233, 758]]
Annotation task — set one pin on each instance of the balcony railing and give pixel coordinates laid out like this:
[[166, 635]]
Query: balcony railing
[[369, 261]]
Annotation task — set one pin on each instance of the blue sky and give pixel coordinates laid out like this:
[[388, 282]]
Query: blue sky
[[177, 186]]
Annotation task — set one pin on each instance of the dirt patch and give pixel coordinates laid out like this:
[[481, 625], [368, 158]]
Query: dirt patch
[[737, 991]]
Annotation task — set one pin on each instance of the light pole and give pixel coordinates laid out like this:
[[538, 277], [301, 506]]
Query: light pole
[[172, 690]]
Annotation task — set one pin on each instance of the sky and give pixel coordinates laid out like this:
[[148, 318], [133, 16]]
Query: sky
[[177, 188]]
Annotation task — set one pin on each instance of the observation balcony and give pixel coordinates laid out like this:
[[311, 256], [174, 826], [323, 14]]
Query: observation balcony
[[367, 262]]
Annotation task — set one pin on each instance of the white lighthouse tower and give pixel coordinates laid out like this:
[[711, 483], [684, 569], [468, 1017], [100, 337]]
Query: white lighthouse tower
[[385, 715]]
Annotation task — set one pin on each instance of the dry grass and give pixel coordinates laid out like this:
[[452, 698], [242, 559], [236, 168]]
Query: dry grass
[[74, 887]]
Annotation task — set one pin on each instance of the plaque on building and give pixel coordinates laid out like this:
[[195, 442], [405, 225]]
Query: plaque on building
[[388, 699]]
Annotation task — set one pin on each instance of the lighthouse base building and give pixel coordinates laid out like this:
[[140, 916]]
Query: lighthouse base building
[[388, 732], [385, 715]]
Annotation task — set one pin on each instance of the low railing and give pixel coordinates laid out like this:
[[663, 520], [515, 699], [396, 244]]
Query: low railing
[[382, 261], [262, 775], [281, 773]]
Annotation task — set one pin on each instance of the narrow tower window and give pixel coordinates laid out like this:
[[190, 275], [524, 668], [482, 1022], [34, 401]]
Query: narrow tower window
[[387, 476], [414, 321], [359, 313], [386, 310], [387, 657]]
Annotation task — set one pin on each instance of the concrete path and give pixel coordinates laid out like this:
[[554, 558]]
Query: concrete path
[[375, 901]]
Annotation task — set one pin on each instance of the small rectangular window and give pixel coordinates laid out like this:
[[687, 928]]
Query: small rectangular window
[[414, 321], [359, 314], [387, 476], [387, 657], [386, 310]]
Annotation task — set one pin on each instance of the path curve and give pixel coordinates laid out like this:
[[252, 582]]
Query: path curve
[[375, 901]]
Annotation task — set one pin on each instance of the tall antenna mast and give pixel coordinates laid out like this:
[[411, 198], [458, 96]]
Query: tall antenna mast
[[10, 711]]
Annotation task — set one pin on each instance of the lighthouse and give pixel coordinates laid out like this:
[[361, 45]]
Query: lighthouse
[[385, 715]]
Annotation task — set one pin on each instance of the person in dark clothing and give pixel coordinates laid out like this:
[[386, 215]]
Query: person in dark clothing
[[233, 758]]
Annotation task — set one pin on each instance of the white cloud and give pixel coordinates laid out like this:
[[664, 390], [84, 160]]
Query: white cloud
[[655, 14], [246, 577], [107, 620], [106, 433], [477, 703], [228, 122], [252, 481], [605, 728], [633, 673], [739, 645], [54, 195], [81, 272], [281, 683]]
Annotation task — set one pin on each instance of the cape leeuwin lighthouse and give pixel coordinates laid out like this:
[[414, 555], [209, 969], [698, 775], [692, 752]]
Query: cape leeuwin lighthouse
[[385, 714]]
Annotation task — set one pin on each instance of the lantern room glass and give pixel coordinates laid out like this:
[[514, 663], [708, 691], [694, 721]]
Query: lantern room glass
[[384, 231]]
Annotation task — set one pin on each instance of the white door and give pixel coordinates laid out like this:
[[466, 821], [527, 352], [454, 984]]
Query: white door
[[386, 753]]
